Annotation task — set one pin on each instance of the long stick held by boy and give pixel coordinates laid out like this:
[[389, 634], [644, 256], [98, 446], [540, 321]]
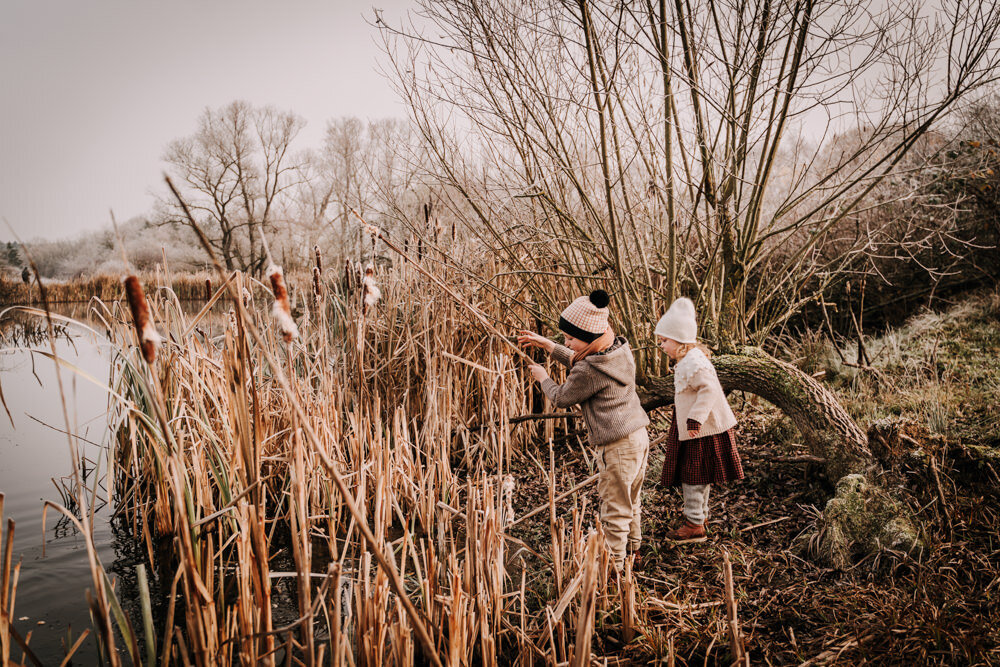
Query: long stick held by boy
[[602, 381]]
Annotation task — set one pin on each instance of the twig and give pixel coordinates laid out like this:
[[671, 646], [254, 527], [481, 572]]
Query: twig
[[834, 652], [940, 490], [766, 523], [736, 652], [798, 458]]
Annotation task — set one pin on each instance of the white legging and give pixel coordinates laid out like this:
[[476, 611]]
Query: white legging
[[696, 502]]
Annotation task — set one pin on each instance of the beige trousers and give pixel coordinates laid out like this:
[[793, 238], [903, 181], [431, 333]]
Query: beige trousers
[[622, 465]]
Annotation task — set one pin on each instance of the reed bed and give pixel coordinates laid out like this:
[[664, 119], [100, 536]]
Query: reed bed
[[228, 446], [106, 287]]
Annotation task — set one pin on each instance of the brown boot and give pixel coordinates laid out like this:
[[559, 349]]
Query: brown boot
[[686, 533]]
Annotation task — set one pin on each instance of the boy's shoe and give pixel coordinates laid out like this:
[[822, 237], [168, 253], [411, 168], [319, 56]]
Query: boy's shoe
[[637, 565], [687, 532]]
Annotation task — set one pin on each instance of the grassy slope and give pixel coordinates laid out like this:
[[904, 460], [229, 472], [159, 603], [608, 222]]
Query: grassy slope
[[936, 381]]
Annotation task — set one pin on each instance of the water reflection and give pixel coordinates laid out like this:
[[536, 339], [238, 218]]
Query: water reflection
[[36, 465]]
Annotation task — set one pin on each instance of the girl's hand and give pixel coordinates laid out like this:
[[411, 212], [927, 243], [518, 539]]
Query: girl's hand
[[538, 372], [529, 339], [692, 433]]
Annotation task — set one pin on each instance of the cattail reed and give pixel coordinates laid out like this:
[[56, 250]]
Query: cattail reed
[[370, 293], [317, 283], [348, 274], [149, 339], [208, 289], [282, 311], [319, 258]]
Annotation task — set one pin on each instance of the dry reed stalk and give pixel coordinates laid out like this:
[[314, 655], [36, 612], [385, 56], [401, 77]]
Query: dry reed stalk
[[301, 545], [6, 608], [588, 606], [562, 496], [627, 591], [736, 650]]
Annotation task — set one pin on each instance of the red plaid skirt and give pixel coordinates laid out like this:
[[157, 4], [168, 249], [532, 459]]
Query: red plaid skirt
[[710, 459]]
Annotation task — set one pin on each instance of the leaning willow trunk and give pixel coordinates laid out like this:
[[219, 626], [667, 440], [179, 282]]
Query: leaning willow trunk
[[862, 516]]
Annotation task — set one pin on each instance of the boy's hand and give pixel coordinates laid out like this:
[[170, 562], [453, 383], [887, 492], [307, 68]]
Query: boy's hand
[[529, 339], [537, 372]]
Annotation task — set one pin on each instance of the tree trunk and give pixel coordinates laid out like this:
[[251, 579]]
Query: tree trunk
[[862, 517], [827, 430]]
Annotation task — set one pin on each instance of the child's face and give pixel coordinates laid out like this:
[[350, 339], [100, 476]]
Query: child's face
[[669, 346], [574, 344]]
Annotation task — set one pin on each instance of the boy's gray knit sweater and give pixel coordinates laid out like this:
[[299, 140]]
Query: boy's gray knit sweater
[[604, 386]]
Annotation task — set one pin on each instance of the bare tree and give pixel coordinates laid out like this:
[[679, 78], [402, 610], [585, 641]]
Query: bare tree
[[370, 167], [710, 147], [235, 169]]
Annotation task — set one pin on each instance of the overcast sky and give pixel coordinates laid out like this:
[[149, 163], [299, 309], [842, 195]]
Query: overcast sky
[[93, 90]]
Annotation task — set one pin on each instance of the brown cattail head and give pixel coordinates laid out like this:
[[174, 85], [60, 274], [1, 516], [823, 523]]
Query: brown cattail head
[[282, 311], [348, 274], [319, 258], [370, 293], [317, 282], [208, 288], [149, 339]]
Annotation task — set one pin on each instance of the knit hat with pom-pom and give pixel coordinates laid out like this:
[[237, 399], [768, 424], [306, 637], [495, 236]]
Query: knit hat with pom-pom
[[679, 322], [586, 318]]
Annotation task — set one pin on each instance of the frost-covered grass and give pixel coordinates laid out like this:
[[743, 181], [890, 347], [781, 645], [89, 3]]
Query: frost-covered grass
[[940, 371]]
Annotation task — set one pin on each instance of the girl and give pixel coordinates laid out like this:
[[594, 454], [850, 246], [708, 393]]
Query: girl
[[701, 444], [602, 380]]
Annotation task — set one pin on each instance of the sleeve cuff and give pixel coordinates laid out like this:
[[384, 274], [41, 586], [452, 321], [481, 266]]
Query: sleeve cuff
[[562, 354], [548, 385]]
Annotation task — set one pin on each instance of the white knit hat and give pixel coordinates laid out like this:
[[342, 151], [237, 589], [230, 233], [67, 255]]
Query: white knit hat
[[679, 322], [587, 317]]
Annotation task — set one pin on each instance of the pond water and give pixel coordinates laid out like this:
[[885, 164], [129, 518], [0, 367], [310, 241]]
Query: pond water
[[36, 465]]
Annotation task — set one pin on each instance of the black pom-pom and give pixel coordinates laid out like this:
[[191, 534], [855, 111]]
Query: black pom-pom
[[600, 298]]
